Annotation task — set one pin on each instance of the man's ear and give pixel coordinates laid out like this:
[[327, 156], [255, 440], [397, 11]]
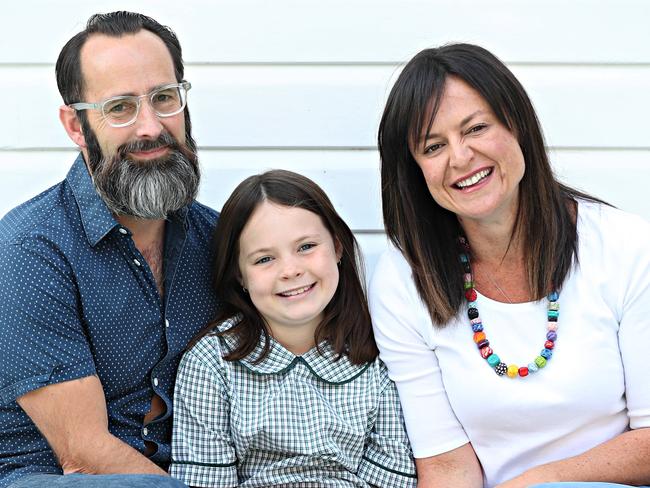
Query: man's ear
[[68, 117]]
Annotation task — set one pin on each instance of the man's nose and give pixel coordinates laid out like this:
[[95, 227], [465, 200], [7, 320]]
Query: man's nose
[[147, 123]]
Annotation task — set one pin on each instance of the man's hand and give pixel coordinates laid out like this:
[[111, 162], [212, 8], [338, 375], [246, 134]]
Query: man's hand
[[72, 417]]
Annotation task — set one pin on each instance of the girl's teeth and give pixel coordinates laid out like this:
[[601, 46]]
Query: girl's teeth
[[295, 292], [474, 179]]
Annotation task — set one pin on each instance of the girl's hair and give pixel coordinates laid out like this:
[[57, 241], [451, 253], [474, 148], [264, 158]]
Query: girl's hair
[[346, 320], [426, 233]]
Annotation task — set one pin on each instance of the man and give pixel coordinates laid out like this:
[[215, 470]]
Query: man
[[106, 276]]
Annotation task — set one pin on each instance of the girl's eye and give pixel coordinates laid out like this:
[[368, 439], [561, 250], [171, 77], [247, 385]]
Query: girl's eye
[[306, 247], [476, 128], [262, 260], [432, 148]]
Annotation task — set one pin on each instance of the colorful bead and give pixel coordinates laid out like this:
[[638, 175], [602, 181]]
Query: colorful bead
[[481, 340], [501, 369], [486, 351], [546, 353], [493, 360], [513, 371], [479, 337]]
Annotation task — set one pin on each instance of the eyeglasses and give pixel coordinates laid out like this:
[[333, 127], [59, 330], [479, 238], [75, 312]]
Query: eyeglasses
[[166, 101]]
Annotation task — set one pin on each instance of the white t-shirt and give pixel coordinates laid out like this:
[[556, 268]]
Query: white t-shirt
[[594, 387]]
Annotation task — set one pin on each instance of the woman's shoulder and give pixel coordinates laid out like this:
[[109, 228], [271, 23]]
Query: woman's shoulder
[[611, 226]]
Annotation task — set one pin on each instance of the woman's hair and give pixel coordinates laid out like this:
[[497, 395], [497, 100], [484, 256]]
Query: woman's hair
[[346, 320], [426, 233]]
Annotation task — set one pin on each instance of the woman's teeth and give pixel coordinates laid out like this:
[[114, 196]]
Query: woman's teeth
[[474, 179]]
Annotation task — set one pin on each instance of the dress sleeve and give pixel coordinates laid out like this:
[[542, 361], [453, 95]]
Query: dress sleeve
[[203, 453], [634, 322], [387, 459], [403, 331], [42, 339]]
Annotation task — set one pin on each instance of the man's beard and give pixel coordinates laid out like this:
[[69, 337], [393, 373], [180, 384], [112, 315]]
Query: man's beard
[[151, 189]]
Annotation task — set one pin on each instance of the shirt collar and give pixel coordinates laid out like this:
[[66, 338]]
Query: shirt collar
[[322, 362], [96, 218]]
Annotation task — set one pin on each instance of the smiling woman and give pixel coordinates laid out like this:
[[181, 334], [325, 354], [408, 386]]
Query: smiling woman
[[478, 222]]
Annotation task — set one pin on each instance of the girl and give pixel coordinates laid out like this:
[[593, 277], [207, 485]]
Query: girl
[[285, 388]]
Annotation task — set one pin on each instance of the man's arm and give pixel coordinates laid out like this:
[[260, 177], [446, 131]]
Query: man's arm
[[72, 417]]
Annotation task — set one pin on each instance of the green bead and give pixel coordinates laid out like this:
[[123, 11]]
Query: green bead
[[553, 313], [493, 360], [554, 306], [468, 285], [540, 361]]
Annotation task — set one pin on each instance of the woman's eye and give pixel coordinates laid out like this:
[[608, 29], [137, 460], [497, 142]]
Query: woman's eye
[[476, 128], [432, 148], [263, 260], [306, 247]]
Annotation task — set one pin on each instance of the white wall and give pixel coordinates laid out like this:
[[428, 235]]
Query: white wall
[[300, 84]]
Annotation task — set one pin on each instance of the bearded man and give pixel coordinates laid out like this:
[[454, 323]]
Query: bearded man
[[106, 276]]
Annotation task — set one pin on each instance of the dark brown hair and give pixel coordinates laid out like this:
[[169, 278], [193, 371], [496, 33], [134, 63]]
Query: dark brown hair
[[426, 233], [346, 321]]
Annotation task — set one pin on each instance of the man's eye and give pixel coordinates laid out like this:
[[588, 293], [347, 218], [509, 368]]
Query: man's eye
[[263, 260], [120, 107], [161, 97]]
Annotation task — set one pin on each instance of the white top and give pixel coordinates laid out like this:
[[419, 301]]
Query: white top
[[594, 387]]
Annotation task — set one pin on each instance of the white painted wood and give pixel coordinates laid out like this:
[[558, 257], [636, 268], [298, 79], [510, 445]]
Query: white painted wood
[[350, 178], [359, 31], [340, 106]]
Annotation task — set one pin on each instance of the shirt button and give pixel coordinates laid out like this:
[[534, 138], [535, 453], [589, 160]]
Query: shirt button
[[166, 323], [136, 262], [155, 382], [145, 431], [123, 231]]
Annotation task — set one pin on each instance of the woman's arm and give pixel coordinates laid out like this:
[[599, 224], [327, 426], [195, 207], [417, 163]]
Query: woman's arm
[[459, 468], [623, 459]]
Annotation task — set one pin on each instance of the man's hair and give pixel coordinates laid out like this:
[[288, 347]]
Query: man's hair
[[115, 24], [426, 233], [346, 321]]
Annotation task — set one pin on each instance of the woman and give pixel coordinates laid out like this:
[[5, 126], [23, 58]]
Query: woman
[[487, 246]]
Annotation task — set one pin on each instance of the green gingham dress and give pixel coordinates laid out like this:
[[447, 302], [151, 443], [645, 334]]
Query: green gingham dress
[[299, 421]]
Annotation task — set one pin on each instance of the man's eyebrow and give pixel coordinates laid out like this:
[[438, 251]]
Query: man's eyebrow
[[152, 89], [463, 122]]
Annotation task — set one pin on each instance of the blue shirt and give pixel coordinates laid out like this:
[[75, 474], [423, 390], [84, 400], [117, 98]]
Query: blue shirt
[[78, 299]]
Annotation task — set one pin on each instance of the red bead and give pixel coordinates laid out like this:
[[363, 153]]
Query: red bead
[[486, 351], [470, 295], [549, 344], [523, 371], [479, 336]]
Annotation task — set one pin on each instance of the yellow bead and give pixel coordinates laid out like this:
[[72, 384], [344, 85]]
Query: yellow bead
[[513, 370]]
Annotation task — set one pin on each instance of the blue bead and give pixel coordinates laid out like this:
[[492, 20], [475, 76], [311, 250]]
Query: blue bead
[[551, 336], [553, 313], [477, 327], [493, 360], [471, 305], [464, 258], [553, 296], [546, 353], [532, 368]]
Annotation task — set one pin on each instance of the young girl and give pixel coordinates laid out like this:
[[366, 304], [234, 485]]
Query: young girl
[[285, 389]]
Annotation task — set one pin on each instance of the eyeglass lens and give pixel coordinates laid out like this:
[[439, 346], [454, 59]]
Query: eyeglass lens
[[165, 102]]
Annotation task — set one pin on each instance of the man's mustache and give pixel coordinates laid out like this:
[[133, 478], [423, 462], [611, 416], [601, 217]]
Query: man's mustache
[[165, 139]]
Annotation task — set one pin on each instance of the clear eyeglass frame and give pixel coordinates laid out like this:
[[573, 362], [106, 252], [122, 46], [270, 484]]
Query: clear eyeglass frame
[[117, 120]]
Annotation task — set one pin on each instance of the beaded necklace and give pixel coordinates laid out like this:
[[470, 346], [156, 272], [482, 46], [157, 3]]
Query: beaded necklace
[[501, 368]]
